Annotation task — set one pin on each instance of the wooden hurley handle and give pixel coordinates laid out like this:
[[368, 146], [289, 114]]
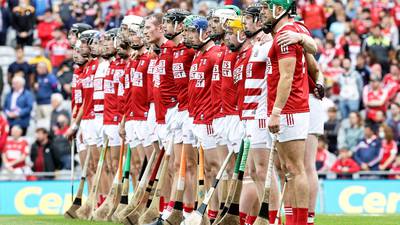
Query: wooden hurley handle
[[121, 158], [201, 163]]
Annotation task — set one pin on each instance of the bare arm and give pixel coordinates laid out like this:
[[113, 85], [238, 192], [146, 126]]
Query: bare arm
[[286, 71], [291, 37]]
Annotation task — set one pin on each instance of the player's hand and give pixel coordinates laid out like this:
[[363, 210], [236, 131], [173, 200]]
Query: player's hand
[[288, 37], [122, 132], [319, 91], [274, 124], [71, 133]]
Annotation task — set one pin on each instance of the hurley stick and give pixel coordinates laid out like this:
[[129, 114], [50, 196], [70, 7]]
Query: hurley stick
[[200, 187], [152, 212], [72, 167], [103, 212], [76, 204], [176, 216], [84, 212], [196, 217], [263, 214], [233, 184], [133, 217], [232, 217], [139, 192], [125, 186]]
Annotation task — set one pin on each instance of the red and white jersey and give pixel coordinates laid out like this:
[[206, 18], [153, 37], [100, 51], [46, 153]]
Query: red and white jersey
[[239, 75], [259, 67], [136, 77], [228, 88], [113, 90], [57, 51], [88, 89], [216, 82], [165, 91], [98, 81], [298, 97], [200, 85], [391, 84], [183, 58], [378, 95], [76, 89], [150, 72], [15, 149]]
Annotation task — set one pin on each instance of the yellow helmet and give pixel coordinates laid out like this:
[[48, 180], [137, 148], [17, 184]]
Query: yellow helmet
[[235, 24]]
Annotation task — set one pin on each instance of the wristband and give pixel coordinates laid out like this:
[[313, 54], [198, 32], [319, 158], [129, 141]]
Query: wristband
[[320, 79], [74, 127], [276, 111]]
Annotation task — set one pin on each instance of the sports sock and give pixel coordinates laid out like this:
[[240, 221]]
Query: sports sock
[[170, 206], [311, 216], [289, 215], [187, 211], [212, 215], [250, 220], [272, 216], [161, 206], [302, 216], [242, 218]]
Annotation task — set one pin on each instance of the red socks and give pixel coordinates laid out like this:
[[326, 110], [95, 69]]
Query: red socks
[[272, 217], [170, 206], [100, 201], [212, 214], [242, 218], [161, 206], [311, 216], [250, 220], [300, 215], [187, 209], [289, 214]]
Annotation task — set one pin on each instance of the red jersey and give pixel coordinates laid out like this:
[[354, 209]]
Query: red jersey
[[113, 89], [137, 106], [4, 128], [259, 67], [87, 89], [389, 149], [348, 163], [15, 149], [314, 16], [200, 82], [216, 82], [396, 14], [165, 92], [302, 29], [298, 97], [239, 75], [45, 30], [58, 50], [183, 58], [391, 84], [150, 72], [76, 89], [98, 94], [378, 95], [228, 88]]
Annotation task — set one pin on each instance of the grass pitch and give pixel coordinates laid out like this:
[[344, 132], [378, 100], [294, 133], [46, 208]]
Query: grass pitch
[[320, 220]]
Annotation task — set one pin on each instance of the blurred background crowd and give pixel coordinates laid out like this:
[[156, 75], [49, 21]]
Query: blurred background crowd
[[359, 54]]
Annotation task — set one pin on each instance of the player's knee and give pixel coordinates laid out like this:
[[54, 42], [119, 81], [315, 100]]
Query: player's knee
[[295, 168], [191, 166]]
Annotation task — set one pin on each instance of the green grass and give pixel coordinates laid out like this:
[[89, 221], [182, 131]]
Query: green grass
[[321, 220]]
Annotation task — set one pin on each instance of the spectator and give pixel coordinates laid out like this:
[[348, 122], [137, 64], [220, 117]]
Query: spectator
[[362, 69], [4, 22], [4, 129], [40, 57], [61, 143], [391, 81], [65, 11], [375, 99], [389, 147], [390, 30], [57, 48], [1, 82], [114, 19], [394, 121], [396, 168], [345, 165], [44, 156], [340, 26], [64, 76], [20, 65], [368, 152], [57, 109], [314, 18], [18, 105], [46, 26], [363, 22], [23, 20], [45, 86], [324, 159], [351, 132], [41, 7], [351, 85], [378, 48], [331, 128], [352, 48], [14, 155]]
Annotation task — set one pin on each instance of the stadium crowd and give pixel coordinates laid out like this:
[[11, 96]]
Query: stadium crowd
[[359, 55]]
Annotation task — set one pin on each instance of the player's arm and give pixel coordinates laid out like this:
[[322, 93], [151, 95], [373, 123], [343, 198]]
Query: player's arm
[[289, 37], [75, 123], [316, 75]]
